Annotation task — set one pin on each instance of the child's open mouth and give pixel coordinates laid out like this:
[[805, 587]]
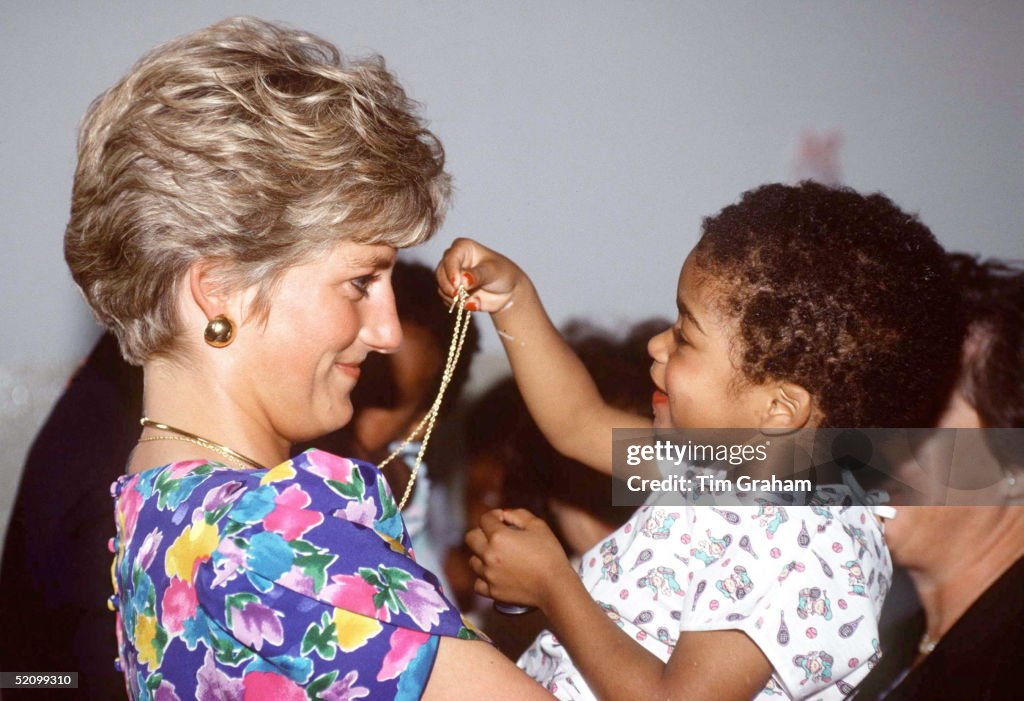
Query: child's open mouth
[[659, 398]]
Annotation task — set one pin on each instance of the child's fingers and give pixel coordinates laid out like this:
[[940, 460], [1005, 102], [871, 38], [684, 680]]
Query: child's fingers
[[480, 275], [481, 587], [476, 541], [519, 518], [491, 523], [445, 279], [477, 565], [455, 261]]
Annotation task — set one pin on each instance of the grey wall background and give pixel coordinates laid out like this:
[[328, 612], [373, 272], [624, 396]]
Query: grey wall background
[[587, 139]]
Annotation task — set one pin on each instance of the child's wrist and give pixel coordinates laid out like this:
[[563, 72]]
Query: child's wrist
[[522, 289], [558, 582]]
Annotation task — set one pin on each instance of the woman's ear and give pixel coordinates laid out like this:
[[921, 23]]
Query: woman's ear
[[789, 408], [207, 290]]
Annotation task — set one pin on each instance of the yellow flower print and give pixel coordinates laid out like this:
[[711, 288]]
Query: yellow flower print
[[353, 629], [145, 639], [284, 471], [195, 544]]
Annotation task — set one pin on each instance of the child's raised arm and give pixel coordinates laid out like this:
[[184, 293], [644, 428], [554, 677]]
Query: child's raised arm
[[558, 391]]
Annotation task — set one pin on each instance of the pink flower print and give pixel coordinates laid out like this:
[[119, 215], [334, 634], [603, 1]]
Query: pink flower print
[[353, 593], [257, 623], [215, 685], [226, 566], [296, 580], [361, 511], [330, 466], [149, 547], [260, 686], [181, 469], [128, 506], [290, 518], [344, 689], [179, 604], [404, 645], [423, 602]]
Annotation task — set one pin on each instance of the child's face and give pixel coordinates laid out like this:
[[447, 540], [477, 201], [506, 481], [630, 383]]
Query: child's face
[[698, 386]]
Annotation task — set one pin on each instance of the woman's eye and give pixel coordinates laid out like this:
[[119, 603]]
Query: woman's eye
[[362, 284]]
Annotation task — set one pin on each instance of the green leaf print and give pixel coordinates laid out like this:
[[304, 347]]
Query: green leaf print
[[322, 638], [320, 684], [350, 490]]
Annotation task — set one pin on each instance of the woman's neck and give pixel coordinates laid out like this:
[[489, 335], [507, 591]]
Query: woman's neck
[[192, 400], [975, 555]]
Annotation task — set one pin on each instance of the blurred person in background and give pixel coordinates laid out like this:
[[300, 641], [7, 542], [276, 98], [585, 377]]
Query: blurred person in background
[[967, 562]]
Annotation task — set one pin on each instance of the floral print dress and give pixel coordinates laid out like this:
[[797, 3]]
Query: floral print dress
[[291, 583]]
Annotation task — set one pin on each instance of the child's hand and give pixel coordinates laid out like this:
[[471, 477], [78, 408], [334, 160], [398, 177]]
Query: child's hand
[[490, 278], [520, 565]]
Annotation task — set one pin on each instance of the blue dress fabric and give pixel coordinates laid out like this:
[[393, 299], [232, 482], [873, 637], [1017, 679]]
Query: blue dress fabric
[[294, 582]]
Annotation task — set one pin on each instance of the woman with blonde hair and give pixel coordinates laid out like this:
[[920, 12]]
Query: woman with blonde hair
[[239, 199]]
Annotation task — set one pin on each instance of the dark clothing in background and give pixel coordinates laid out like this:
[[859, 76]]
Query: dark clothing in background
[[980, 658], [55, 577]]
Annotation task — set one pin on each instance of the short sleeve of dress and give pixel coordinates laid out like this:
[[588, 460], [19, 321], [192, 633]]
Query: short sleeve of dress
[[806, 584], [295, 583]]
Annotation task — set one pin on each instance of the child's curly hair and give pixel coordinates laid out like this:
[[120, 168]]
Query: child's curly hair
[[841, 293]]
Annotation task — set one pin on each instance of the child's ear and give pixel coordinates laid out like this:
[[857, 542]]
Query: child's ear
[[789, 408]]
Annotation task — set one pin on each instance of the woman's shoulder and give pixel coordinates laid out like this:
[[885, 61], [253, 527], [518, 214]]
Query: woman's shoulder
[[313, 482]]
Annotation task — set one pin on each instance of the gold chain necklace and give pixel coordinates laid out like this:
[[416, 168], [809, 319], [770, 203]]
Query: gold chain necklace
[[462, 321], [237, 459]]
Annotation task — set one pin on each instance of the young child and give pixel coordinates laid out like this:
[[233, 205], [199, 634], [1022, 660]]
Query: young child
[[801, 306]]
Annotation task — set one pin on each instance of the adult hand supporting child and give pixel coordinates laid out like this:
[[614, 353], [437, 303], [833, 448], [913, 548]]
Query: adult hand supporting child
[[517, 558]]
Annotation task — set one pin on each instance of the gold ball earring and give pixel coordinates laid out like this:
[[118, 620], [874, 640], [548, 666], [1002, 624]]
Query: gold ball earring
[[220, 331]]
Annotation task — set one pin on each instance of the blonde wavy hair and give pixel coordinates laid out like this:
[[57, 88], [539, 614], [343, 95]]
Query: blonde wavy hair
[[248, 144]]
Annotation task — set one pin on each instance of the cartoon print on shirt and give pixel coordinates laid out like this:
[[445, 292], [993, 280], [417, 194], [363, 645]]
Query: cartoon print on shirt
[[817, 666], [653, 608], [856, 573], [770, 517], [857, 536], [826, 517], [814, 602], [712, 549], [737, 585], [612, 613], [610, 568], [661, 580], [790, 567], [659, 525]]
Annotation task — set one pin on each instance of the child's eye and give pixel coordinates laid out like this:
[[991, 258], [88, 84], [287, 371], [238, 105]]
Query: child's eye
[[362, 284], [677, 334]]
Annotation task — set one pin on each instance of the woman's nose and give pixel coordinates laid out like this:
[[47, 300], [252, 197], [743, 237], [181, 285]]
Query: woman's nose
[[382, 331]]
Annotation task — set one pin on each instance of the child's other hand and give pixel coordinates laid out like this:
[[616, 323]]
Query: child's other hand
[[490, 278], [520, 565]]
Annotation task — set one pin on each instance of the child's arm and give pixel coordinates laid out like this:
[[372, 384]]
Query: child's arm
[[558, 391], [527, 566]]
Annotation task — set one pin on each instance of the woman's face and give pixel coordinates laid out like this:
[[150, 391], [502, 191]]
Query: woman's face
[[697, 384], [298, 369]]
